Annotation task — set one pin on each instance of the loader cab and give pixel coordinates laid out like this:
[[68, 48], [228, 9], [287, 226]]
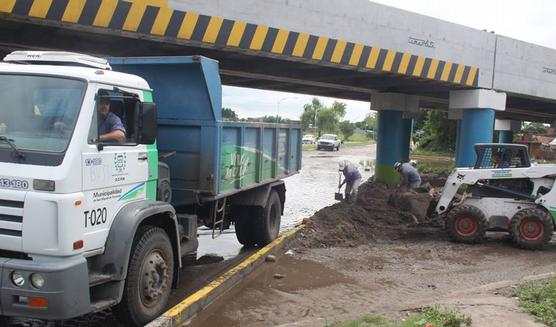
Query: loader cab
[[501, 155]]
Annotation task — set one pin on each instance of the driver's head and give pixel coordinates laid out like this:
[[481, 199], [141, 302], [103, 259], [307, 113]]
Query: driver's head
[[496, 157], [103, 107]]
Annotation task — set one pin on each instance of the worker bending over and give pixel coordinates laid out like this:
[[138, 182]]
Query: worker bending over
[[352, 179], [409, 176]]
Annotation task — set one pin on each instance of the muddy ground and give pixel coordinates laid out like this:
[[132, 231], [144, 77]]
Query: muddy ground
[[391, 278], [378, 257]]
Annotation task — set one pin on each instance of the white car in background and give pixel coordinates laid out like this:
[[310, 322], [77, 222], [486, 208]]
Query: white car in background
[[329, 141], [308, 139]]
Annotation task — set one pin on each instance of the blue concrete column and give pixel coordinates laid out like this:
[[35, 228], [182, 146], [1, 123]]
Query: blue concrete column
[[389, 145], [477, 126], [505, 137], [458, 138], [407, 128]]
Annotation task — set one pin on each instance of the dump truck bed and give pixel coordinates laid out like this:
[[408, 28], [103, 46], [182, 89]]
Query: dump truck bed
[[213, 158]]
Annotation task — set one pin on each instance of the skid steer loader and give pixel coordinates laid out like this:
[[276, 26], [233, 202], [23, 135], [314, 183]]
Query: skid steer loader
[[501, 192]]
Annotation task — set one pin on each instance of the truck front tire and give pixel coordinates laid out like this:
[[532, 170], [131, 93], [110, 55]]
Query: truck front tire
[[149, 278], [531, 228], [466, 224], [259, 226]]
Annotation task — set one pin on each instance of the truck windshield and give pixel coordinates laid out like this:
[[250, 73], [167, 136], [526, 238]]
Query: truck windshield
[[38, 113]]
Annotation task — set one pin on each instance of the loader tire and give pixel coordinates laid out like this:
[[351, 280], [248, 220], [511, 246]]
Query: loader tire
[[466, 224], [531, 228]]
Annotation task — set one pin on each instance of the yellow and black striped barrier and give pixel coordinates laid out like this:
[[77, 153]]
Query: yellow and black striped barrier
[[155, 18]]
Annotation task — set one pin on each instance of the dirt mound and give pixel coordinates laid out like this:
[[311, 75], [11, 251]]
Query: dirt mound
[[435, 180], [378, 214]]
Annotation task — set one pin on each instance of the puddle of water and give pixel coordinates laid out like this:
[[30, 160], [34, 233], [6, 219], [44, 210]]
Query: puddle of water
[[299, 275]]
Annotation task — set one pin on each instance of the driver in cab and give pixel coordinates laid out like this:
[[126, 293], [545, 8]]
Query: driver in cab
[[110, 128]]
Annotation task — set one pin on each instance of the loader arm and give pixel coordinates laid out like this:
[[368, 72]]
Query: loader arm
[[453, 183]]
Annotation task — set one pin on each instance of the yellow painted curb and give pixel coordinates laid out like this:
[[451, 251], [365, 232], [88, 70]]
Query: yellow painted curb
[[191, 305]]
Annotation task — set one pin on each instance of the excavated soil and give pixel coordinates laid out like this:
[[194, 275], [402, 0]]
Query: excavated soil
[[381, 212], [382, 255]]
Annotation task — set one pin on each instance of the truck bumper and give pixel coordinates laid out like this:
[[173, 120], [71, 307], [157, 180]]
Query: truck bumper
[[65, 293]]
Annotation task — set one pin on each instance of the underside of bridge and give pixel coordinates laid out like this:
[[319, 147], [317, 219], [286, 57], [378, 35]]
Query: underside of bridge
[[252, 70], [395, 95]]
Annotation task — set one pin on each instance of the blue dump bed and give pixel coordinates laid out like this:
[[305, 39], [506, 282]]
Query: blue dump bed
[[213, 158]]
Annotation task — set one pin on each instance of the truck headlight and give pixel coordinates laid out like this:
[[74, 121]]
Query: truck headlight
[[37, 280], [18, 279]]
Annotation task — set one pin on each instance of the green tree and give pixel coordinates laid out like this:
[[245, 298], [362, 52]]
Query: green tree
[[439, 132], [310, 112], [347, 128], [327, 121], [339, 109], [229, 114], [534, 128], [274, 119], [370, 121]]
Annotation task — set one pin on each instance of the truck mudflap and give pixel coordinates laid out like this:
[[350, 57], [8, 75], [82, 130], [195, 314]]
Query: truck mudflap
[[65, 293]]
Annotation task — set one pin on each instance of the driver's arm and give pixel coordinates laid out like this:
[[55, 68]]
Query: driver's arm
[[115, 135]]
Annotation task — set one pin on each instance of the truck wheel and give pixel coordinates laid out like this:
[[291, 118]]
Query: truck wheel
[[149, 278], [466, 224], [244, 226], [267, 222], [531, 228]]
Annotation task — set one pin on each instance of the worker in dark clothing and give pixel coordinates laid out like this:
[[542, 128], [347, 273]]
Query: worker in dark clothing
[[409, 176], [352, 179]]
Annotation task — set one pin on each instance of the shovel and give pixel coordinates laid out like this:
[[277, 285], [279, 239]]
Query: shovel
[[338, 195]]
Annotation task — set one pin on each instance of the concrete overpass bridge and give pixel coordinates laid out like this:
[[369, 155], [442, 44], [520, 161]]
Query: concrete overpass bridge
[[353, 49]]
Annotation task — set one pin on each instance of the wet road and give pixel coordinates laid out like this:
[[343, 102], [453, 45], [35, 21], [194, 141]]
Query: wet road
[[307, 192], [315, 186]]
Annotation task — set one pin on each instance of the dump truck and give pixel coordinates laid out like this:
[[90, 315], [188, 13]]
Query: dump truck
[[502, 192], [90, 221]]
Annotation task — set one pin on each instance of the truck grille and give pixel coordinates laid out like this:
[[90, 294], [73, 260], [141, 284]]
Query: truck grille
[[11, 217], [11, 204]]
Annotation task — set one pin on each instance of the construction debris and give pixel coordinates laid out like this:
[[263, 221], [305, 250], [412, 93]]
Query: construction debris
[[380, 213]]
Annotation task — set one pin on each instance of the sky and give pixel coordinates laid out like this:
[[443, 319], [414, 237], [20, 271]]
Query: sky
[[532, 21]]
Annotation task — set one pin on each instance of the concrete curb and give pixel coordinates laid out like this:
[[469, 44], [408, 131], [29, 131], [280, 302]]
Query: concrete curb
[[196, 302]]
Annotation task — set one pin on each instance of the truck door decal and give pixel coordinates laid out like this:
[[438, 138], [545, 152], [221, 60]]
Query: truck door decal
[[133, 193]]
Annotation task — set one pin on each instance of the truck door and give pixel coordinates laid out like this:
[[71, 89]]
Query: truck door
[[115, 167]]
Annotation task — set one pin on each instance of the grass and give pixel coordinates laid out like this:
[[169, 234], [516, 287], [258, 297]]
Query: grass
[[358, 138], [428, 166], [433, 162], [539, 299], [422, 152], [308, 147], [429, 316]]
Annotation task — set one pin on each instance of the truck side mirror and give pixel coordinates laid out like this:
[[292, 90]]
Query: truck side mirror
[[147, 123]]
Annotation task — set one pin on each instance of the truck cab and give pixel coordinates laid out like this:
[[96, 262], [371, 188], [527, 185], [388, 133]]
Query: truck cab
[[62, 184], [90, 218]]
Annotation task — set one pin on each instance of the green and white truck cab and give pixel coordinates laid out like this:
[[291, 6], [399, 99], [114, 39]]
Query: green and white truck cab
[[81, 228]]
